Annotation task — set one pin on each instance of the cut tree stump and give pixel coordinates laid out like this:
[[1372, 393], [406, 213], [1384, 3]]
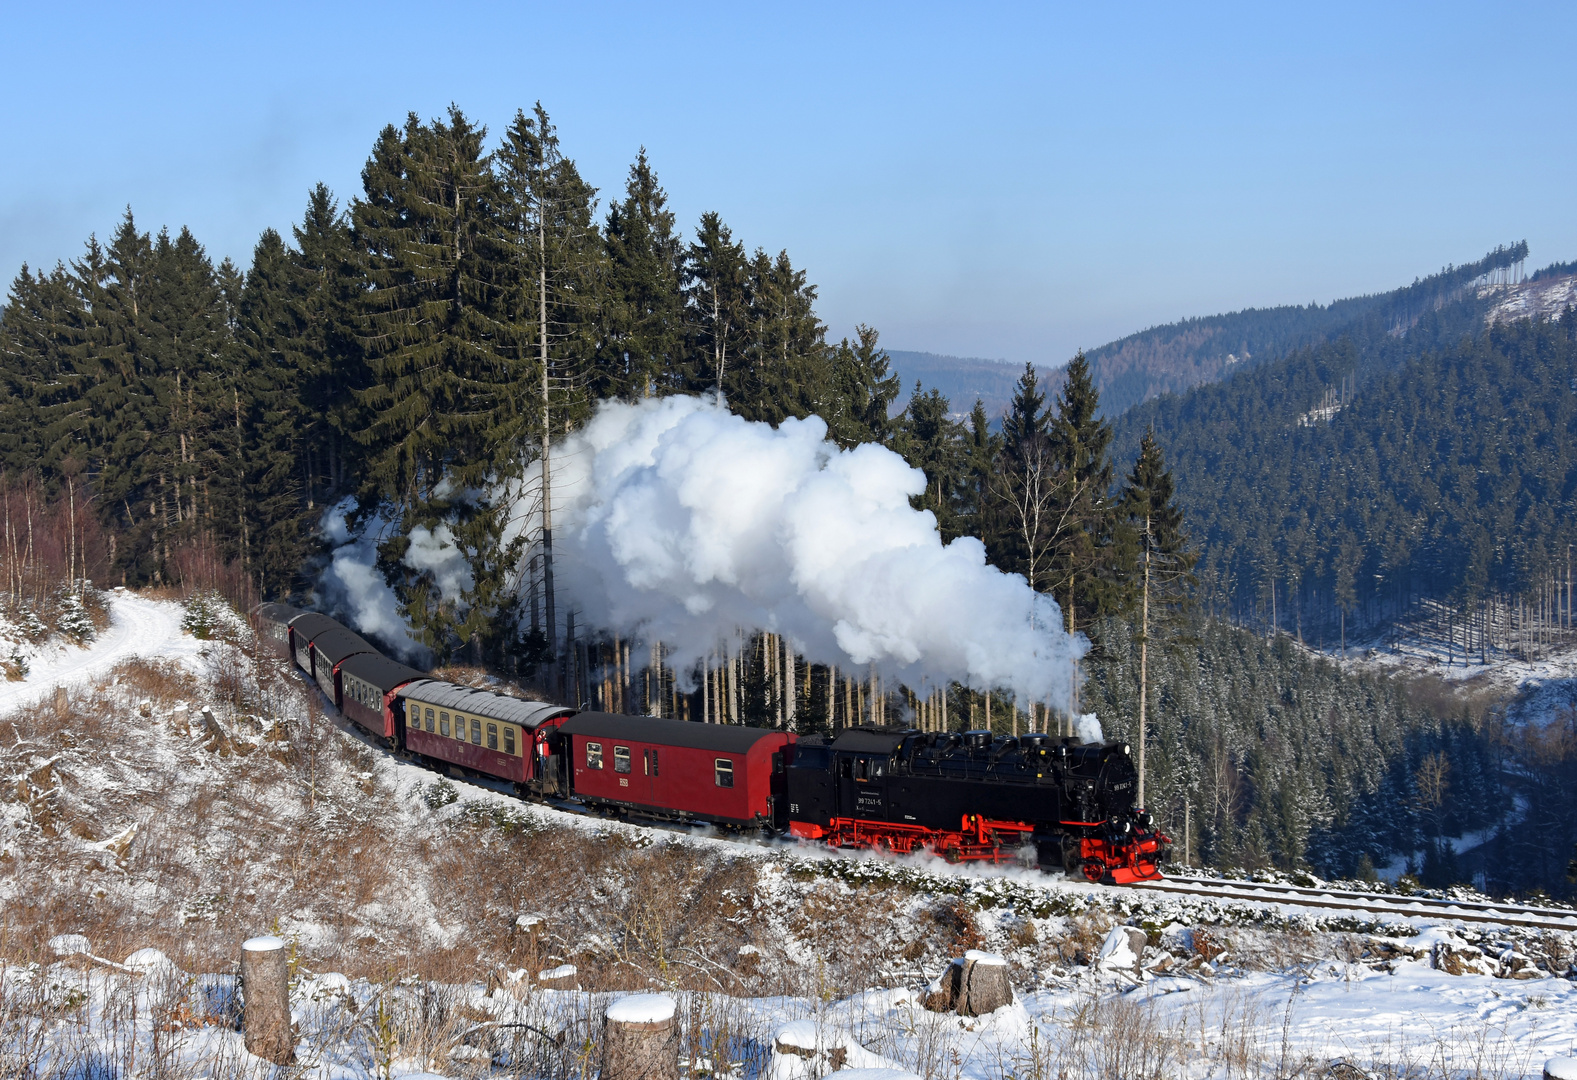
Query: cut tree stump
[[265, 984], [563, 977], [640, 1039], [1561, 1068], [973, 985]]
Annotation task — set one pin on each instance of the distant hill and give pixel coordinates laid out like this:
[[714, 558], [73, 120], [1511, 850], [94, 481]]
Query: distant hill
[[1180, 355], [1391, 471], [962, 379]]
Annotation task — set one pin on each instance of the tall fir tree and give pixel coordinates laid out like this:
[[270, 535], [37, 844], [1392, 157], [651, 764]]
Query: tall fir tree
[[643, 334], [438, 339], [1085, 580], [717, 290], [863, 390], [1162, 572]]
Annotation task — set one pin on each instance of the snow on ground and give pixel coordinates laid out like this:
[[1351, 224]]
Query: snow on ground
[[139, 626], [1323, 986], [1413, 1022], [1545, 298]]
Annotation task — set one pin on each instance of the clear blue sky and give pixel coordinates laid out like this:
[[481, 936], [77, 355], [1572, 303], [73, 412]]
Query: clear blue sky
[[1009, 181]]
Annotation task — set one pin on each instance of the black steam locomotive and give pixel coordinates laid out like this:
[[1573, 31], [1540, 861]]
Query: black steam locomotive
[[972, 795]]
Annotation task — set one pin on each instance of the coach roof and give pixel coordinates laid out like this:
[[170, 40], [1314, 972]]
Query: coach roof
[[378, 670], [488, 704], [724, 738], [309, 624], [336, 644], [279, 613]]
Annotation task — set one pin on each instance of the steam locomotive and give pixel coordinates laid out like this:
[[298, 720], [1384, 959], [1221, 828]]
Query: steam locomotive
[[964, 796]]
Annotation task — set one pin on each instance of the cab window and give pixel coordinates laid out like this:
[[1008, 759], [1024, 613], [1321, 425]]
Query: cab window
[[476, 731], [621, 759], [492, 736], [509, 739], [594, 755], [723, 772]]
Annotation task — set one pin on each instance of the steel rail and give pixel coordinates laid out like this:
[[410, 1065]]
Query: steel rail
[[1403, 906]]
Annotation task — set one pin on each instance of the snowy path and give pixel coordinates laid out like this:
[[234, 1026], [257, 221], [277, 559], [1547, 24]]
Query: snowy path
[[138, 627]]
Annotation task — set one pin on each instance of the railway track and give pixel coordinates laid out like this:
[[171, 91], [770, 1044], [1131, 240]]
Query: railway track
[[1520, 916]]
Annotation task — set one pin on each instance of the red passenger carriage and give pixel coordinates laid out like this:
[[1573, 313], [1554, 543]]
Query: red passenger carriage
[[483, 731], [369, 684], [273, 627], [675, 768]]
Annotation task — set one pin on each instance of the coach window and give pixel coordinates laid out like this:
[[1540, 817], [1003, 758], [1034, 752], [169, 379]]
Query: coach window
[[723, 772], [509, 739], [492, 736], [429, 719], [621, 759], [594, 755], [476, 731]]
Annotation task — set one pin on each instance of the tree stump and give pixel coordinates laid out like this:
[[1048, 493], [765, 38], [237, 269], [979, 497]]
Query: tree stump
[[1561, 1068], [265, 984], [640, 1039], [563, 977], [973, 985]]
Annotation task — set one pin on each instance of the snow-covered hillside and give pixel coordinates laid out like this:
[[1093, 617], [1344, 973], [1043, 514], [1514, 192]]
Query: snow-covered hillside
[[1544, 298], [190, 796]]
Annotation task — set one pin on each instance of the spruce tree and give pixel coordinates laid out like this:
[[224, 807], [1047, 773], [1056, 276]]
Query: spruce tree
[[436, 331], [932, 442], [863, 391], [275, 424], [1164, 563], [717, 288], [556, 275], [1085, 581], [322, 351], [42, 412], [643, 318], [785, 362]]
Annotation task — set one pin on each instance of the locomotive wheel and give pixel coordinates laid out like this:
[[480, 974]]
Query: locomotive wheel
[[1094, 870]]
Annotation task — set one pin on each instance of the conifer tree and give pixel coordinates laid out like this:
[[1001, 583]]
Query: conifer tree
[[863, 391], [444, 396], [642, 343], [42, 412], [556, 275], [932, 442], [1078, 441], [1165, 564], [717, 282], [321, 352], [273, 408]]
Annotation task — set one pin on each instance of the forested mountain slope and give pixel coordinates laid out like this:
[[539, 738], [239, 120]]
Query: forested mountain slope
[[1352, 480], [1180, 355]]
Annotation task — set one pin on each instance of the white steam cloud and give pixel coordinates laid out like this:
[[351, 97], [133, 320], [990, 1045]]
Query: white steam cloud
[[353, 586], [684, 522], [677, 521]]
